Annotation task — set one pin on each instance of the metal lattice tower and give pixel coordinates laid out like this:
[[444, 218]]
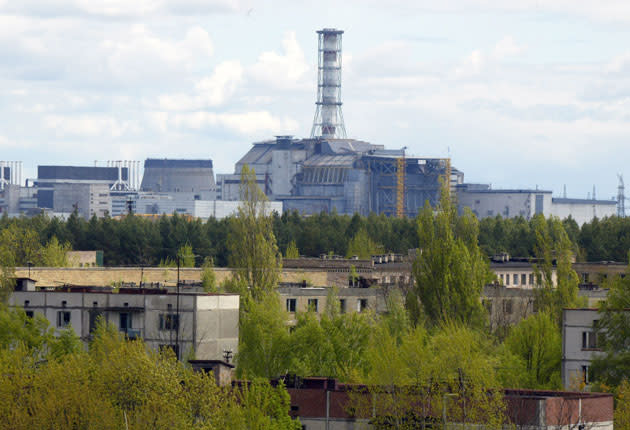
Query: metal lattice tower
[[328, 121], [621, 198]]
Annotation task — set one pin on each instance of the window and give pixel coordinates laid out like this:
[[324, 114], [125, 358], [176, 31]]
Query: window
[[342, 306], [487, 303], [63, 319], [515, 279], [124, 321], [507, 279], [172, 347], [587, 375], [26, 303], [312, 305], [531, 279], [95, 314], [501, 277], [169, 322], [523, 279], [362, 305], [589, 340], [507, 306], [291, 305]]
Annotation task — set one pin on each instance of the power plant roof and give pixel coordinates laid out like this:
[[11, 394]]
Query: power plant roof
[[177, 163]]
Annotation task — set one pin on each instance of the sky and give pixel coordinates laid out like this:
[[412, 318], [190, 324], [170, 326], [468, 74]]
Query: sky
[[519, 94]]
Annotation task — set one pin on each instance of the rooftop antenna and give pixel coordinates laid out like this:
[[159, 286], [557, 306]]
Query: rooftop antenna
[[621, 198], [328, 122]]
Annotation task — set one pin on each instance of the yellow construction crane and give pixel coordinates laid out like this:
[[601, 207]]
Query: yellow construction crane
[[400, 187]]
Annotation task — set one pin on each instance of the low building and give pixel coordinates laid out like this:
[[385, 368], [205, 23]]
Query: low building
[[579, 346], [199, 324], [323, 403]]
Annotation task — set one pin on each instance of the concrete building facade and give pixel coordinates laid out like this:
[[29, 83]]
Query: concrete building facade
[[583, 210], [579, 346], [196, 324]]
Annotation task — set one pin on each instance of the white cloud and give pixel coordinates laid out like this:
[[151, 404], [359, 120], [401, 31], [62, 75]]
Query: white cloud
[[89, 126], [140, 54], [247, 123], [282, 71], [506, 47], [119, 8], [6, 143], [210, 91]]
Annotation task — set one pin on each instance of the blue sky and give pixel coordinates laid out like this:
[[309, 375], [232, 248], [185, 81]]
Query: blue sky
[[521, 94]]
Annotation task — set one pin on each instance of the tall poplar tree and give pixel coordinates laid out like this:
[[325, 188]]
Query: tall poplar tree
[[450, 269], [254, 255]]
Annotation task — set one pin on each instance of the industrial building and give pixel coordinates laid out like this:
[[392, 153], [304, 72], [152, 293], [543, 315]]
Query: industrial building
[[329, 172], [487, 202], [582, 210], [193, 177]]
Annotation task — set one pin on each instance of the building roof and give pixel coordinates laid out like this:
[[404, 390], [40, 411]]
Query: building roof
[[507, 191], [173, 163], [331, 161], [562, 200]]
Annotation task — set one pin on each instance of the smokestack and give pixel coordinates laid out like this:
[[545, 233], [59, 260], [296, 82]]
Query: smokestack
[[328, 122]]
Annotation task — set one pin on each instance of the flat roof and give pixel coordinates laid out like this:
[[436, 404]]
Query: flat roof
[[583, 201]]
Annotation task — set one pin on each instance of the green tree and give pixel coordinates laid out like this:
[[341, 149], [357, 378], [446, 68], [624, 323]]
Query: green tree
[[254, 254], [55, 254], [263, 338], [362, 246], [186, 256], [292, 251], [208, 277], [537, 342], [450, 270], [613, 331], [552, 243]]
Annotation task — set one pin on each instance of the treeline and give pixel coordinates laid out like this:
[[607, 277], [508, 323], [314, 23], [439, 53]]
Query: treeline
[[137, 240]]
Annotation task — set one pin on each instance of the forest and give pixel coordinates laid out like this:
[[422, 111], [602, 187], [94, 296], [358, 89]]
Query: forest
[[135, 240]]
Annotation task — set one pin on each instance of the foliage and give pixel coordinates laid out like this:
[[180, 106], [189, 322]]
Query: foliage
[[263, 338], [362, 246], [613, 332], [208, 277], [552, 243], [55, 254], [450, 270], [537, 342], [254, 254], [119, 384], [622, 409], [292, 251]]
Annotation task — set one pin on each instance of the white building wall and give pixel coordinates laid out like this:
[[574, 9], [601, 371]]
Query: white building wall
[[583, 211], [508, 203]]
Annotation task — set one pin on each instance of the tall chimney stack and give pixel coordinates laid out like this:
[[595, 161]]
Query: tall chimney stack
[[328, 122]]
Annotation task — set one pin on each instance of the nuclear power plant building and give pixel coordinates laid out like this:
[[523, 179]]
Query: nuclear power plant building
[[343, 175]]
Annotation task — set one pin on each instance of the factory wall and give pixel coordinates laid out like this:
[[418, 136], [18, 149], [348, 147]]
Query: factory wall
[[583, 210], [507, 203]]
